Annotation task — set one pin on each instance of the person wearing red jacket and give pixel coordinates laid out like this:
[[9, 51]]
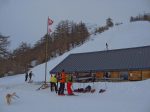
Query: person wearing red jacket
[[69, 88], [69, 85]]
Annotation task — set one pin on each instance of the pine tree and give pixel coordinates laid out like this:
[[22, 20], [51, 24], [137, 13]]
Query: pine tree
[[4, 43]]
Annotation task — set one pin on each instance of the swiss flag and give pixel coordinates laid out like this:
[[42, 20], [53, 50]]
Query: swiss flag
[[50, 22]]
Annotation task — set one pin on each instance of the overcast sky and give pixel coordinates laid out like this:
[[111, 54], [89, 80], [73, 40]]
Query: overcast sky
[[25, 20]]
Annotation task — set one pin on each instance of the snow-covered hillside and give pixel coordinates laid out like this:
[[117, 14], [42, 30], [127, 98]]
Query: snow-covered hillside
[[119, 97], [123, 36]]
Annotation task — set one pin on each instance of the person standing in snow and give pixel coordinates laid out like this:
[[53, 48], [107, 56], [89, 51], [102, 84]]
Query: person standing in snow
[[69, 85], [53, 81], [106, 46], [58, 78], [62, 83], [26, 76], [30, 76]]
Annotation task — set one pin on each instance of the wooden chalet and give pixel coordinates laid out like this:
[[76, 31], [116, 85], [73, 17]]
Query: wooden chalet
[[125, 64]]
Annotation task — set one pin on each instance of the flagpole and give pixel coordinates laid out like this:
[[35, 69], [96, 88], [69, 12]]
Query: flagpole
[[49, 22], [46, 47]]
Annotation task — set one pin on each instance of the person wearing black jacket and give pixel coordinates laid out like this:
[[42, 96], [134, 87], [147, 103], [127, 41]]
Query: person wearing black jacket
[[26, 76], [30, 76]]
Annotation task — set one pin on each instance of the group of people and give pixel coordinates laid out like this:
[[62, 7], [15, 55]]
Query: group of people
[[28, 75], [61, 79]]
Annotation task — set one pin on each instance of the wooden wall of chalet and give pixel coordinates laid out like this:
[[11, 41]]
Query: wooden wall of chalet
[[139, 75], [145, 74], [133, 75], [99, 75], [114, 75]]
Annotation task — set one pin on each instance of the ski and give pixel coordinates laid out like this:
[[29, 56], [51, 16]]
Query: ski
[[68, 95], [71, 95]]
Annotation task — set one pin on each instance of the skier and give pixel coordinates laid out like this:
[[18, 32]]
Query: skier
[[62, 83], [106, 46], [58, 78], [53, 81], [26, 76], [30, 76], [69, 86]]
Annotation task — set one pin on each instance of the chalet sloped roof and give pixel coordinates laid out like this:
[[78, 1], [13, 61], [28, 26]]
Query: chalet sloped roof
[[137, 58]]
